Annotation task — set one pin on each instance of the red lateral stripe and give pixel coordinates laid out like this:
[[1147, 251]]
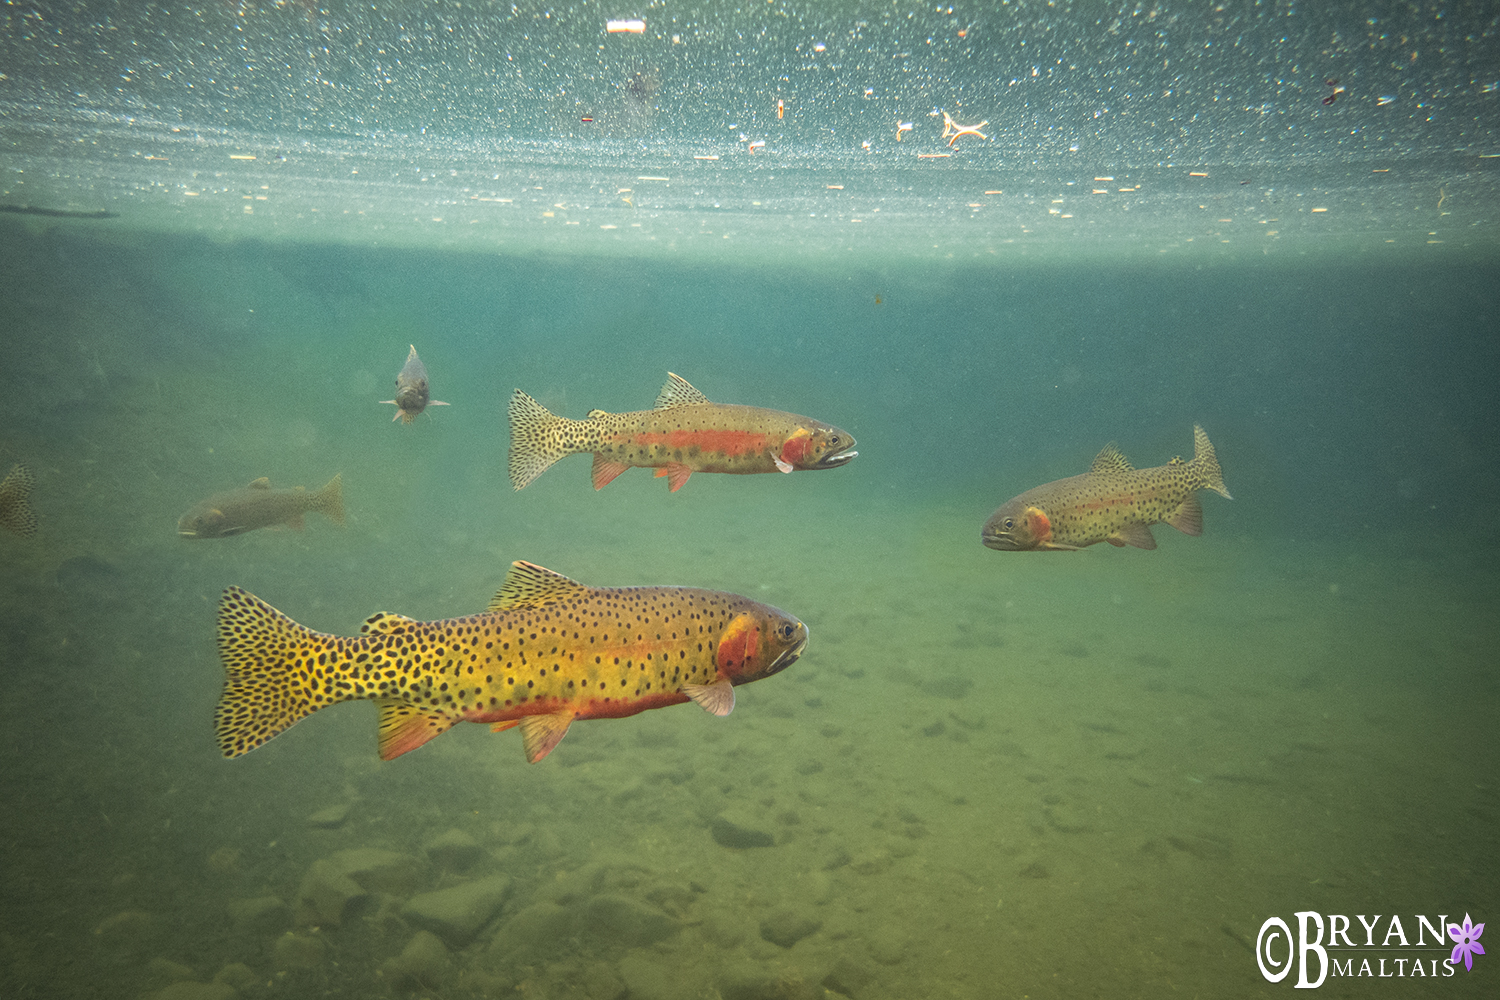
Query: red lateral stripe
[[720, 442]]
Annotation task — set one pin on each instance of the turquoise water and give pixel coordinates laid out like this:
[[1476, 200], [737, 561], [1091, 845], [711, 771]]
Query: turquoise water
[[991, 774]]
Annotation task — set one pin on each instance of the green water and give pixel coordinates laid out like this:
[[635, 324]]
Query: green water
[[991, 774]]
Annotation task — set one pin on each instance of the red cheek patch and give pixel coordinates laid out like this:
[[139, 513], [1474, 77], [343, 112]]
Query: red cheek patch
[[795, 449], [1041, 527], [739, 643]]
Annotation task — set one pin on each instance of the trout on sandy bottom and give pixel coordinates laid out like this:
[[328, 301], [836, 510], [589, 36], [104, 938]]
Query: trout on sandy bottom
[[548, 650], [411, 390], [259, 506], [15, 505], [683, 434], [1112, 502]]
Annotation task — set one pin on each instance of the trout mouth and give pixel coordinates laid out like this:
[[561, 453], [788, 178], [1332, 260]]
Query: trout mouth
[[789, 656], [836, 459], [1005, 543]]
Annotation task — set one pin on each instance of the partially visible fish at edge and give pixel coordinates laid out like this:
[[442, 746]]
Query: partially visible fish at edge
[[259, 506], [15, 503], [682, 434], [1112, 502], [411, 390]]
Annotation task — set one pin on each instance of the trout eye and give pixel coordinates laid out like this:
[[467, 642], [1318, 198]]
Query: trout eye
[[1009, 524], [834, 440], [787, 631]]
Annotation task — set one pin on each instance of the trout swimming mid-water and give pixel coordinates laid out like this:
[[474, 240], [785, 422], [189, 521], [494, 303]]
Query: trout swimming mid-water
[[1112, 502], [411, 390], [259, 506], [683, 434], [547, 651]]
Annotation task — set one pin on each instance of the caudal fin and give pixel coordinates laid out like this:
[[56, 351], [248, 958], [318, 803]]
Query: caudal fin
[[15, 506], [534, 439], [330, 499], [276, 673], [1210, 475]]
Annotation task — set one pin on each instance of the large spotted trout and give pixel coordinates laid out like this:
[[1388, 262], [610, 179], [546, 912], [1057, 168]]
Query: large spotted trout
[[683, 434], [547, 651], [1112, 502]]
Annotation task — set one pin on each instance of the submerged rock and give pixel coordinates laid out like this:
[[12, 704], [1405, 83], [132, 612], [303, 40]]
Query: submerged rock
[[197, 991], [423, 964], [262, 915], [237, 974], [457, 914], [620, 920], [128, 929], [327, 896], [298, 951], [455, 851], [330, 818], [789, 925], [378, 870], [740, 828]]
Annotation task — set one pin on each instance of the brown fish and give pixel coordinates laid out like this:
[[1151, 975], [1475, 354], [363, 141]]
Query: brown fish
[[683, 434], [1112, 502], [15, 506], [547, 651], [259, 506], [411, 390]]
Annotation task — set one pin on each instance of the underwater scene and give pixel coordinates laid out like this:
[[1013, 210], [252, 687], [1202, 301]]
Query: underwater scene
[[766, 502]]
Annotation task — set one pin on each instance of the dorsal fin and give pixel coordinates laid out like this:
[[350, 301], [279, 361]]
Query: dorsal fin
[[528, 585], [263, 483], [1110, 460], [677, 392], [386, 623], [598, 413]]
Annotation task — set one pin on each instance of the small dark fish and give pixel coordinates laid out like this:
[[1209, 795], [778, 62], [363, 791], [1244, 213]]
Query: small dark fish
[[411, 390], [15, 508], [259, 506], [57, 213]]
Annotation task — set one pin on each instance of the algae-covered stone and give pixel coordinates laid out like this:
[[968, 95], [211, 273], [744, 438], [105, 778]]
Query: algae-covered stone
[[261, 915], [298, 951], [788, 925], [455, 851], [741, 828], [751, 981], [166, 970], [378, 870], [330, 818], [650, 976], [850, 977], [328, 896], [620, 920], [457, 914], [128, 929], [196, 991], [535, 926], [423, 963], [237, 974]]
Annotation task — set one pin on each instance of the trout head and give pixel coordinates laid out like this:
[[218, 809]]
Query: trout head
[[817, 445], [207, 521], [1017, 527], [411, 393], [759, 642]]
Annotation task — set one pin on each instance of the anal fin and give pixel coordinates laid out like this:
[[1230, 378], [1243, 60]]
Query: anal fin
[[540, 734], [605, 470], [403, 727], [1188, 518], [716, 698]]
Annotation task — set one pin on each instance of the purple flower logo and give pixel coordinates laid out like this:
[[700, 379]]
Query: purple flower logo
[[1467, 938]]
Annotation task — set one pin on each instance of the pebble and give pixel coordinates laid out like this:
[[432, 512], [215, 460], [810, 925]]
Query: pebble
[[740, 829], [788, 925]]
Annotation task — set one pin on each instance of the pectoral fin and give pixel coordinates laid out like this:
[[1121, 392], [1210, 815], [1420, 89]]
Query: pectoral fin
[[541, 733], [404, 728], [716, 698], [780, 465]]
